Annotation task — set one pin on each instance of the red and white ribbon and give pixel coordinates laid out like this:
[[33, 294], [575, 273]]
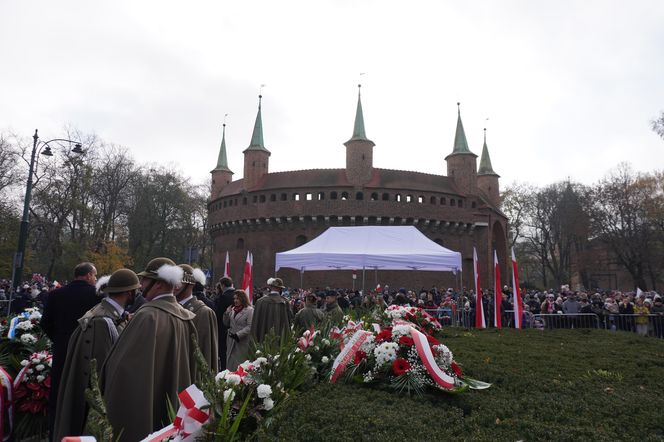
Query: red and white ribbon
[[189, 419], [348, 353], [376, 327], [441, 378], [307, 338], [6, 404], [79, 439]]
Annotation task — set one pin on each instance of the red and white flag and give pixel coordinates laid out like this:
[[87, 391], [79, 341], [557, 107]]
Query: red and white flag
[[518, 305], [227, 267], [497, 292], [480, 322], [246, 278]]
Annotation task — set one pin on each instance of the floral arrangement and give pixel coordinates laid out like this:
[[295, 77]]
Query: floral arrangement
[[31, 389], [25, 327], [401, 351]]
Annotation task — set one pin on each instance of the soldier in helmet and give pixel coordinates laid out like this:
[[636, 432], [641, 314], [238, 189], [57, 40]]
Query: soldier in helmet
[[153, 361], [272, 313], [96, 333], [205, 320]]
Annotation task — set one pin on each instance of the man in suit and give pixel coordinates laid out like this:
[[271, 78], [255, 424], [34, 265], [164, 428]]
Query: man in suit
[[60, 318], [223, 300]]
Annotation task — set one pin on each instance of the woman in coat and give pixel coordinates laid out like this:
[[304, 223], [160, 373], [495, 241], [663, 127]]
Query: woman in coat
[[238, 318]]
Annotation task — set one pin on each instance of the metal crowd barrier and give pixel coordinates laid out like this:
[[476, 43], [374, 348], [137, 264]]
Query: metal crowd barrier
[[466, 319]]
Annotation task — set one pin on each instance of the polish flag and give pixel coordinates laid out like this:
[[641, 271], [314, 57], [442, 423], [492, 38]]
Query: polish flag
[[497, 292], [246, 278], [479, 306], [518, 305], [227, 267]]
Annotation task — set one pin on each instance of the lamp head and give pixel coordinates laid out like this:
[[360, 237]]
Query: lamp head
[[77, 149], [47, 152]]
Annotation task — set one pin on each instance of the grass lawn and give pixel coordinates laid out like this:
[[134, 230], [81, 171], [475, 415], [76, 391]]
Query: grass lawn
[[562, 385]]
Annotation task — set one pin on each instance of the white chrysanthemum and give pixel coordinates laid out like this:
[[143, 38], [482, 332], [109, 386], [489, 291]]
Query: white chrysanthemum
[[221, 375], [27, 338], [36, 315], [25, 325], [268, 404], [35, 360], [386, 352], [325, 341], [40, 367], [307, 357], [25, 362], [260, 361], [40, 378], [229, 395], [264, 391], [324, 359], [400, 330], [368, 377], [233, 379]]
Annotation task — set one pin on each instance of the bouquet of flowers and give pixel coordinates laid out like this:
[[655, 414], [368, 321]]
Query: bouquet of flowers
[[401, 351], [25, 327], [31, 389], [319, 348]]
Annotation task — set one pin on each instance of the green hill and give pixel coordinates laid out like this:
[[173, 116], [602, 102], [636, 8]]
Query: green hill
[[562, 385]]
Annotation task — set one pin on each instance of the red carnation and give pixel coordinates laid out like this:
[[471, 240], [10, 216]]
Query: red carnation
[[47, 382], [359, 357], [456, 369], [384, 335], [400, 366], [432, 341], [33, 386], [406, 340]]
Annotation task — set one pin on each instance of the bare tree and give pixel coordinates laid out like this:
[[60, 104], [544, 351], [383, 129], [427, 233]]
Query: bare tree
[[658, 125]]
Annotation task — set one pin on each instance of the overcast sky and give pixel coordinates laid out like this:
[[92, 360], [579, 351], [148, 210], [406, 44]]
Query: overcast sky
[[568, 87]]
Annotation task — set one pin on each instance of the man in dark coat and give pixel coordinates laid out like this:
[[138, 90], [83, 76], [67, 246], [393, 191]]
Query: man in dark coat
[[272, 313], [98, 330], [60, 318], [223, 300]]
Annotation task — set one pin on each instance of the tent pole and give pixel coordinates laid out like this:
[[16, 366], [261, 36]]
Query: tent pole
[[301, 277], [363, 290]]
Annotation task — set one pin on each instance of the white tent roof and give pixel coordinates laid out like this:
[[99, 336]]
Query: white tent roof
[[371, 247]]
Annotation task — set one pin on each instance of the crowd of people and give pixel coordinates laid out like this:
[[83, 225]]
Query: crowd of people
[[139, 328]]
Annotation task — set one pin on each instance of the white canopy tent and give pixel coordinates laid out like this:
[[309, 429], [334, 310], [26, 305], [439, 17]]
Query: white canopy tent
[[370, 247]]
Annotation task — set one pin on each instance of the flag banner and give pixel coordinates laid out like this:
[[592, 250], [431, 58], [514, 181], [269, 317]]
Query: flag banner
[[480, 321], [497, 293], [247, 279], [518, 305]]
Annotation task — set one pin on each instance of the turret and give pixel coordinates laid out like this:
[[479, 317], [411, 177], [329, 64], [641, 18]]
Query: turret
[[462, 163], [256, 156], [221, 175], [359, 150], [487, 179]]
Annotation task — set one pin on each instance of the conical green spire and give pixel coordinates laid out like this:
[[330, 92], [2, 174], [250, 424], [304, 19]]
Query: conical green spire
[[485, 160], [257, 136], [222, 161], [460, 142], [359, 133]]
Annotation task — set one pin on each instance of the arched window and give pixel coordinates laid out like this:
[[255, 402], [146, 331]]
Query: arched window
[[333, 195], [321, 196], [359, 196], [460, 203], [308, 196], [432, 200], [386, 197], [420, 199], [374, 196], [284, 197], [296, 197], [240, 243], [273, 197], [397, 197], [244, 201], [409, 198], [452, 202], [442, 201], [262, 198], [344, 196]]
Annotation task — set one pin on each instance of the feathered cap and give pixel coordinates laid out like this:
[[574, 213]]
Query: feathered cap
[[192, 275], [163, 269], [102, 282]]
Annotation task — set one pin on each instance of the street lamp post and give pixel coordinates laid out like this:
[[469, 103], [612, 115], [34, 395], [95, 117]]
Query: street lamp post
[[25, 221]]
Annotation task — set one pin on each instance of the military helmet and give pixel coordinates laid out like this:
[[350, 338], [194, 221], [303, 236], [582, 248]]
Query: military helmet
[[153, 266], [122, 280]]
